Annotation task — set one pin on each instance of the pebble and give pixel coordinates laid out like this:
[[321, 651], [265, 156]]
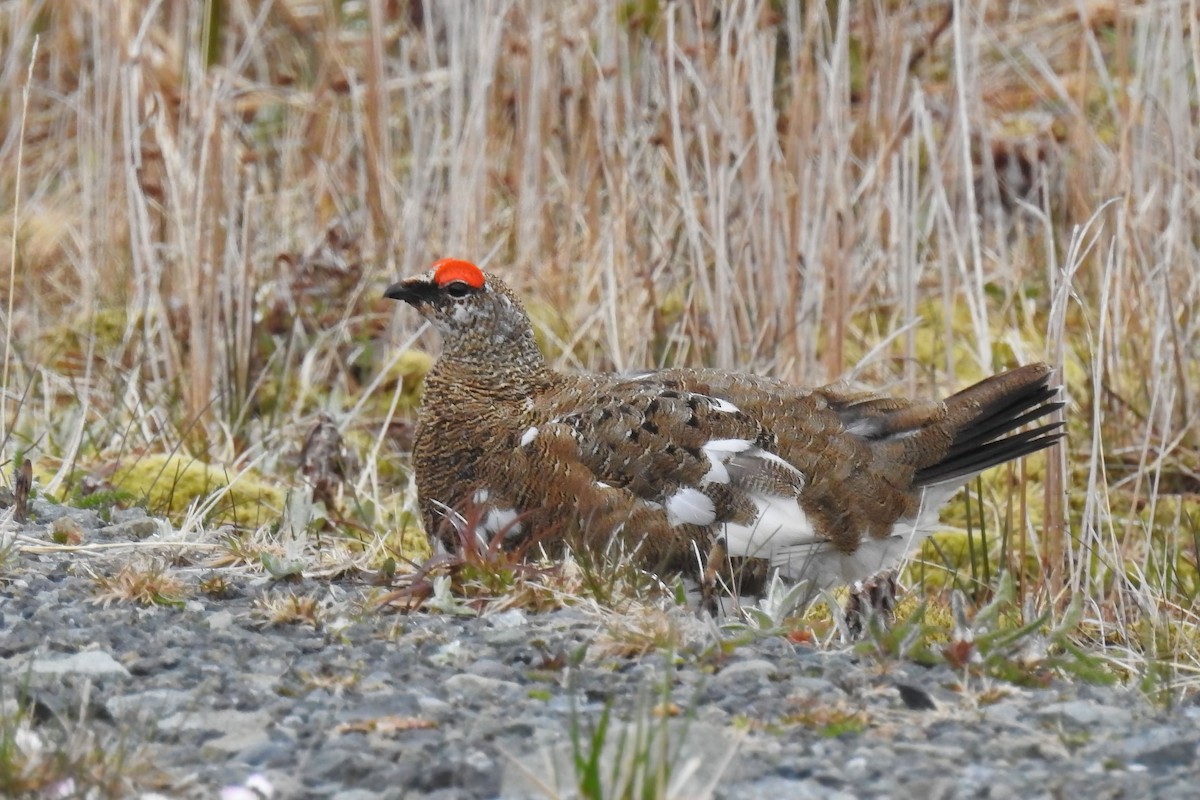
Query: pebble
[[754, 669], [90, 663], [132, 529], [1162, 748], [370, 704], [1083, 715], [150, 703]]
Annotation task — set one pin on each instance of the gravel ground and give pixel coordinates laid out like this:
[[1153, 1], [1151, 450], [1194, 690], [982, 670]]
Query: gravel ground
[[205, 697]]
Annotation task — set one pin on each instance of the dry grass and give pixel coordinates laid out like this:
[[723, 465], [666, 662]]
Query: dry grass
[[69, 758], [148, 583], [206, 200]]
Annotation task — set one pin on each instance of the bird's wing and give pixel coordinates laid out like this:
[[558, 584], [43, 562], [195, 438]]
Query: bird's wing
[[698, 460]]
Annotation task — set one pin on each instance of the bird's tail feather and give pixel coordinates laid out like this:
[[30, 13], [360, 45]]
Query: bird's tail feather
[[982, 419]]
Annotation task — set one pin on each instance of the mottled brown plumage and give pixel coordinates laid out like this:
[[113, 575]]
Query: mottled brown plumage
[[825, 485]]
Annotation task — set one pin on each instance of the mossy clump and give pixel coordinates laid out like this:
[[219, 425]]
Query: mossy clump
[[946, 332], [67, 345], [395, 526], [409, 371], [942, 556], [170, 484], [410, 542]]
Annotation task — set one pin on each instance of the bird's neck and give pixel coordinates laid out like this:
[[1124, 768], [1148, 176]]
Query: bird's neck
[[489, 377]]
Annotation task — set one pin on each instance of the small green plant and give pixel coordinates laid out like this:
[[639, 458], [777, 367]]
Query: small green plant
[[282, 568], [103, 500], [482, 574], [648, 757], [640, 759], [773, 615], [994, 643], [829, 722], [216, 584], [612, 574], [443, 600]]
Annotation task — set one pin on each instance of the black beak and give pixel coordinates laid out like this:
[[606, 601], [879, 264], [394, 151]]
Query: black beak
[[413, 291]]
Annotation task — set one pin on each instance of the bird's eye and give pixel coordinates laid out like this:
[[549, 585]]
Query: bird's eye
[[458, 289]]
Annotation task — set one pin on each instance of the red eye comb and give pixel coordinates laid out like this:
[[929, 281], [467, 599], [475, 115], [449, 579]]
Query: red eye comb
[[449, 270]]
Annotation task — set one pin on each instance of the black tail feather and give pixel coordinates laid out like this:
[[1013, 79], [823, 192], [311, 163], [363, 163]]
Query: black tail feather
[[982, 437], [991, 454]]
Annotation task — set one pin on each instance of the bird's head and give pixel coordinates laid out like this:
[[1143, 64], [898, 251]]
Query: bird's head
[[476, 314]]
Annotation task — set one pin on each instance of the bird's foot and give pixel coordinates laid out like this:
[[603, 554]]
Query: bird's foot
[[717, 556], [875, 597]]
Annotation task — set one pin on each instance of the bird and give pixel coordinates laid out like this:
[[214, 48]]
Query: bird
[[690, 470]]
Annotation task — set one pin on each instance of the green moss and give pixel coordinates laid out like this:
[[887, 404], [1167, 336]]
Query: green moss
[[66, 344], [668, 313], [849, 726], [171, 484], [408, 372], [828, 722], [404, 537], [933, 348], [640, 17]]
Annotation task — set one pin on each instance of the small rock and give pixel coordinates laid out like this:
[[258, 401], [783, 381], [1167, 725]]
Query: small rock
[[1161, 748], [513, 618], [133, 530], [44, 511], [120, 515], [432, 706], [467, 685], [1010, 713], [453, 654], [803, 686], [220, 620], [491, 668], [929, 752], [807, 789], [90, 663], [749, 671], [935, 788], [1018, 747], [1082, 714], [153, 703], [238, 740], [780, 649], [504, 637], [856, 767], [222, 721], [915, 698], [479, 760], [357, 794]]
